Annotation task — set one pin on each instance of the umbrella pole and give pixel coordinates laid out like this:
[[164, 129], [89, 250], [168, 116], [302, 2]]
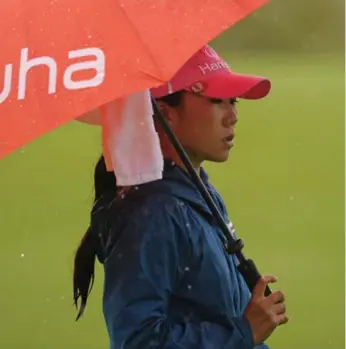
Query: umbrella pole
[[246, 267]]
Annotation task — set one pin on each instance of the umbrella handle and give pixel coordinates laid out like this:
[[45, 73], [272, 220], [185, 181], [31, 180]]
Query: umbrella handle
[[251, 275], [246, 267]]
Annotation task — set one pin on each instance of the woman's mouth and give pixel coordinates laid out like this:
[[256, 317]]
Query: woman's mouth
[[229, 141]]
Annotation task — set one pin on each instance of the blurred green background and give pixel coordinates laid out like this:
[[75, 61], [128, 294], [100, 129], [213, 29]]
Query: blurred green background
[[284, 188]]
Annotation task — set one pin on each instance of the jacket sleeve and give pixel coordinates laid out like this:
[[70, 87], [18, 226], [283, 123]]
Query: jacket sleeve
[[142, 272]]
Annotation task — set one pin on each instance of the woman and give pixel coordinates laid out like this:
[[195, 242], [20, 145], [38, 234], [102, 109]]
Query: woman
[[169, 283]]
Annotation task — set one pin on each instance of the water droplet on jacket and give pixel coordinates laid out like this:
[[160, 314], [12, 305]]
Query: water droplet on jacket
[[22, 255], [188, 225], [189, 287], [136, 188], [291, 197], [187, 268], [120, 256]]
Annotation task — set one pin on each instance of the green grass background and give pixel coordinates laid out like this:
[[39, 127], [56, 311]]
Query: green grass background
[[283, 185]]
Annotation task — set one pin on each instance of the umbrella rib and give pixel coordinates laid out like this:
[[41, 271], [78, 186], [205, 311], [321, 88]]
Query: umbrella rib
[[143, 44]]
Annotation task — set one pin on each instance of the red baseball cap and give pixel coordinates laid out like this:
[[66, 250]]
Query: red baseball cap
[[207, 74]]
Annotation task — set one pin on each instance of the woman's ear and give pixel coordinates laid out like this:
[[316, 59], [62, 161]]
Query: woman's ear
[[170, 113]]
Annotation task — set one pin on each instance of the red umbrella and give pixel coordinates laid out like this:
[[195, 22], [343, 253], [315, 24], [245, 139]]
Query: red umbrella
[[62, 58]]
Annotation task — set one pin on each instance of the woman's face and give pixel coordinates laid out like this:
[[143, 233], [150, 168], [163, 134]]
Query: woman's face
[[205, 127]]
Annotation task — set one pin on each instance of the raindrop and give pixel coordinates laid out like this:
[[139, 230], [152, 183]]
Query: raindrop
[[291, 197], [173, 163], [90, 36], [22, 255], [189, 287], [120, 256], [136, 188], [187, 268], [188, 225], [22, 151], [62, 297], [47, 300]]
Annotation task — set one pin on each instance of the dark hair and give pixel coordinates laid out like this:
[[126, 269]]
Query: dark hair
[[105, 187]]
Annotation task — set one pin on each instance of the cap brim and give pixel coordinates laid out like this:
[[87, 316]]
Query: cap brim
[[234, 85]]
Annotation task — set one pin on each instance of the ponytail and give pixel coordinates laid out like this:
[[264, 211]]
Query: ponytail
[[85, 257]]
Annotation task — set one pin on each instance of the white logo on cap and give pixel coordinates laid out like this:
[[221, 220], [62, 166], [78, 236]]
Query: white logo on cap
[[209, 51], [208, 68]]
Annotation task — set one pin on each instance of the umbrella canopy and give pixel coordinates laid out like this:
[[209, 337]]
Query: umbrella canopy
[[62, 58]]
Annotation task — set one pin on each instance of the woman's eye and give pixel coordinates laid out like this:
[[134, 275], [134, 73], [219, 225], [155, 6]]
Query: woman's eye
[[232, 101], [215, 100]]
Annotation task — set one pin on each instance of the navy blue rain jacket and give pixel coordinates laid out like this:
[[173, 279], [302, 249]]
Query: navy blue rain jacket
[[169, 284]]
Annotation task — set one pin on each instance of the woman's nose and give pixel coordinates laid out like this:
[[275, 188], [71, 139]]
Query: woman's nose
[[230, 118]]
